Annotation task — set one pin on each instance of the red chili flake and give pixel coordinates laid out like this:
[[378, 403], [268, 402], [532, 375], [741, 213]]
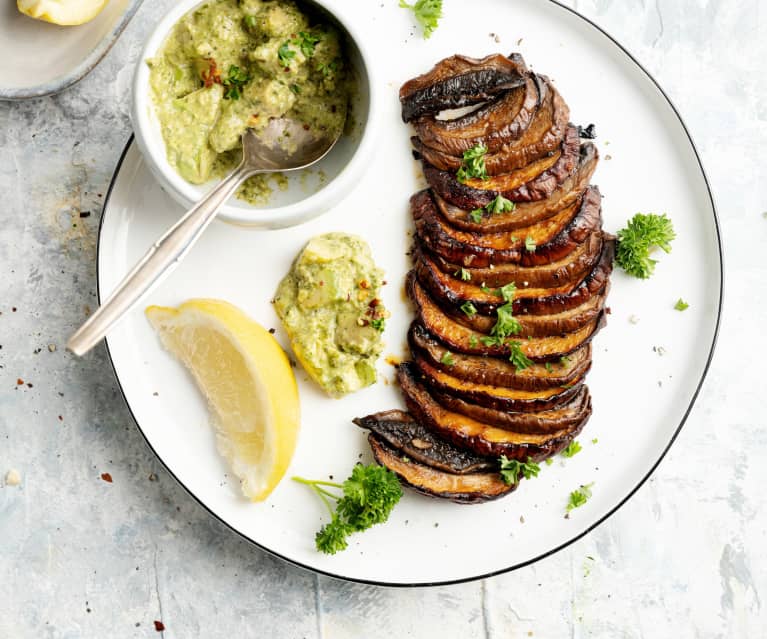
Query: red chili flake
[[211, 75], [374, 302], [608, 311], [364, 284], [159, 626], [19, 382], [106, 477], [322, 283], [384, 283], [306, 127]]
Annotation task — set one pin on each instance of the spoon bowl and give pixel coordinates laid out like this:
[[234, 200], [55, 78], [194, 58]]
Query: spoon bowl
[[284, 145]]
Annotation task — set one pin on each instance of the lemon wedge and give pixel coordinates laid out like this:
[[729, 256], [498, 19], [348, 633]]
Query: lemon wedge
[[63, 12], [248, 382]]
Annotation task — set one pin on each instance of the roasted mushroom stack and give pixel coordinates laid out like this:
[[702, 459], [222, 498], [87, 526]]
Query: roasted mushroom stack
[[511, 271]]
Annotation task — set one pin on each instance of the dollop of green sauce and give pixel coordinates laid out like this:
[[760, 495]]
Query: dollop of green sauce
[[230, 65], [330, 306]]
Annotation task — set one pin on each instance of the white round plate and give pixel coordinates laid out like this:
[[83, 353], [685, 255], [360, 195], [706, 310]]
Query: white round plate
[[645, 375]]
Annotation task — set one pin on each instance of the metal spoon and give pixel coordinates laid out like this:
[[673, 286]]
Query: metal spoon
[[284, 145]]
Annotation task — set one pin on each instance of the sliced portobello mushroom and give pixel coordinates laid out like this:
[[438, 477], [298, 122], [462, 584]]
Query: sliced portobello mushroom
[[499, 398], [400, 431], [477, 436], [554, 275], [462, 489], [543, 137], [452, 293], [460, 81], [551, 178], [494, 124], [480, 250], [541, 423], [496, 371]]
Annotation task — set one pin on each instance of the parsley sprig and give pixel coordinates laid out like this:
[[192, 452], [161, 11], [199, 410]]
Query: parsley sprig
[[473, 164], [427, 12], [573, 448], [369, 495], [505, 326], [512, 469], [285, 54], [642, 234]]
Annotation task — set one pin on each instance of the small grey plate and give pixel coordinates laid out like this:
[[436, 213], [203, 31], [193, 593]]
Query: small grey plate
[[38, 58]]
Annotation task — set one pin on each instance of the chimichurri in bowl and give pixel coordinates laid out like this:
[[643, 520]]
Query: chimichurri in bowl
[[213, 69]]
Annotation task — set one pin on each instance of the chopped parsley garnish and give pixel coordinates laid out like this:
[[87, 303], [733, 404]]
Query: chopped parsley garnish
[[564, 360], [512, 470], [642, 234], [234, 82], [469, 309], [378, 324], [681, 305], [427, 12], [251, 22], [485, 289], [295, 88], [473, 164], [285, 54], [464, 274], [573, 448], [506, 324], [500, 205], [369, 495], [530, 244], [579, 497], [518, 358], [549, 367], [306, 42], [447, 359], [476, 215], [473, 340], [327, 69], [549, 461], [507, 291], [595, 441]]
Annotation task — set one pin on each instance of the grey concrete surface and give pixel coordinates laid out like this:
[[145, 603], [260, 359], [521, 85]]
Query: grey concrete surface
[[83, 557]]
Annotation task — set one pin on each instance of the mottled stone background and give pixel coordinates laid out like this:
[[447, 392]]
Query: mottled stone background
[[81, 557]]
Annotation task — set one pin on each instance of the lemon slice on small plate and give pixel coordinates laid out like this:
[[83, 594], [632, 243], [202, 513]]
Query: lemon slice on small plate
[[63, 12], [248, 382]]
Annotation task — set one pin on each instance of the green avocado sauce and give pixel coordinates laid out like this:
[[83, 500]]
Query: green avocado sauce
[[330, 306], [230, 65]]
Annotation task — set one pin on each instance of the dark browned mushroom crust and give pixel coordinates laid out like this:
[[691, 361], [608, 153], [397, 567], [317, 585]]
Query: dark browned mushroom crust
[[462, 489], [460, 81], [401, 432], [497, 371], [559, 236], [479, 437]]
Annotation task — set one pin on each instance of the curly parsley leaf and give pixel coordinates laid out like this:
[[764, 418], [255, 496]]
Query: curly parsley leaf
[[517, 357], [681, 305], [469, 309], [306, 42], [530, 245], [427, 12], [368, 497], [500, 205], [512, 469], [642, 234]]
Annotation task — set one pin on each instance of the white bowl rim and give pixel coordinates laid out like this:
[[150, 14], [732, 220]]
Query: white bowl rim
[[153, 149]]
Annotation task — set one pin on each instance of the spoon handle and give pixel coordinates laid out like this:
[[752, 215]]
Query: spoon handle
[[160, 260]]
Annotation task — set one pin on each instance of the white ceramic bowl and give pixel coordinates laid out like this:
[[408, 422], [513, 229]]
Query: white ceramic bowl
[[307, 196]]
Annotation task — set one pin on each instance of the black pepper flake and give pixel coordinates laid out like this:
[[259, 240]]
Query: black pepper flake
[[85, 213], [272, 331]]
